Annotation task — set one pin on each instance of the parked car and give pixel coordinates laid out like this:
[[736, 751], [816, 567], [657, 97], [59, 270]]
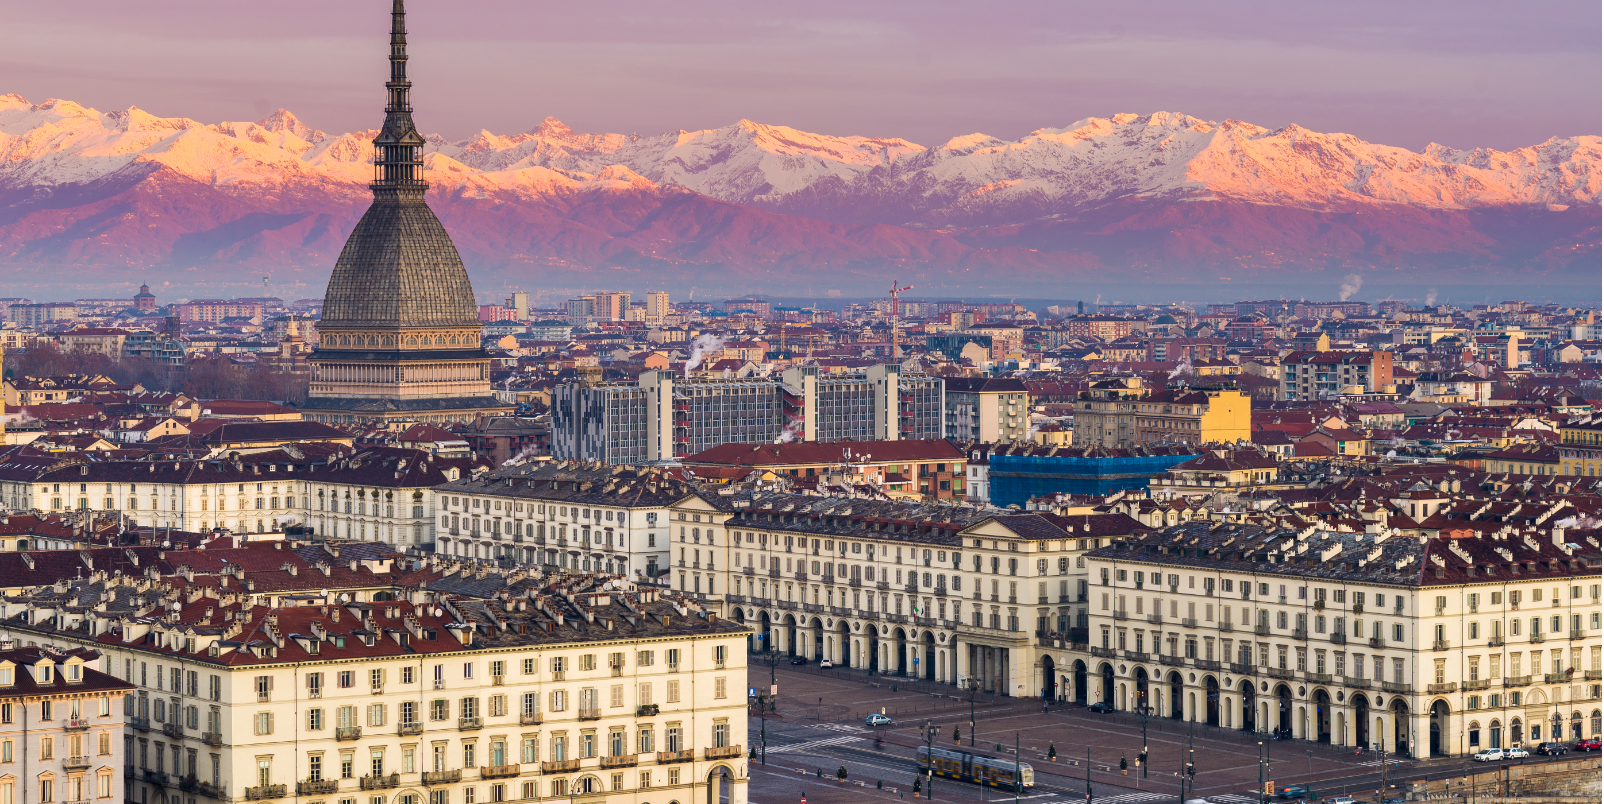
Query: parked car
[[1488, 755], [877, 720], [1553, 749], [1101, 706], [799, 660], [1590, 744], [1516, 752], [826, 663], [1341, 800]]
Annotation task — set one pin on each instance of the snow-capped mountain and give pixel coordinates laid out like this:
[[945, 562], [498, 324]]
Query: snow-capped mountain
[[280, 192]]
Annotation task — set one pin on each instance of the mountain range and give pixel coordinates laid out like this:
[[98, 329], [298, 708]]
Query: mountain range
[[125, 196]]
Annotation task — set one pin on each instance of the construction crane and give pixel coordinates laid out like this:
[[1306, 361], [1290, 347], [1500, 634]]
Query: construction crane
[[896, 309]]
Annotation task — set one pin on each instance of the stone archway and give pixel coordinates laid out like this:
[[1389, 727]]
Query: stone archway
[[1400, 728], [1283, 704], [1211, 698], [1107, 692], [790, 635], [1361, 720], [1080, 682], [873, 648], [1143, 693], [1439, 729], [1177, 705], [927, 661], [1049, 678], [1322, 716], [765, 633], [1250, 705], [738, 616], [720, 785], [899, 638]]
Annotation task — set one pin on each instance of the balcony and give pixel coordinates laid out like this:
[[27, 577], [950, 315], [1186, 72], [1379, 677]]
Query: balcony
[[621, 761], [500, 771], [646, 710], [1495, 642], [1471, 686], [1436, 689], [1106, 653], [1300, 633], [139, 723], [157, 777], [748, 571], [1517, 681], [1227, 627], [173, 730], [1555, 678], [470, 723], [1317, 678], [213, 739], [589, 713], [1174, 661], [318, 787], [801, 576], [1578, 635], [77, 723], [264, 792], [1591, 675], [1356, 683], [1242, 668], [1188, 622], [210, 790], [1339, 639], [1140, 657], [1278, 672], [1261, 630], [529, 719], [409, 728], [1155, 619], [560, 766], [1536, 639], [1121, 615], [1439, 644], [442, 777], [381, 782], [348, 733], [665, 757], [1377, 642], [76, 763], [725, 752], [1394, 686], [1207, 664], [496, 681]]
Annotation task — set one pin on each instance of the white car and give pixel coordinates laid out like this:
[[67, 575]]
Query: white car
[[826, 663], [1489, 755], [1516, 752]]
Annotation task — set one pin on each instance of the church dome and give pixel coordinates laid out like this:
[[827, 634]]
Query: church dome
[[399, 268]]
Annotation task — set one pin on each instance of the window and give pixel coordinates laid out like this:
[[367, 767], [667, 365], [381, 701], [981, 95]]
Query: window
[[264, 723], [314, 720]]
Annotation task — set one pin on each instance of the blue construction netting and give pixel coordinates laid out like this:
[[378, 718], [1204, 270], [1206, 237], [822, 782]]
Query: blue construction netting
[[1017, 478]]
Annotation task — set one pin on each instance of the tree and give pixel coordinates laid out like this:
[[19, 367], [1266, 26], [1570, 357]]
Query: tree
[[956, 736], [1052, 751], [841, 773], [1123, 764]]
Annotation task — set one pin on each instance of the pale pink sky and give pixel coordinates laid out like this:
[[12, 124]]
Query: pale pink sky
[[1465, 74]]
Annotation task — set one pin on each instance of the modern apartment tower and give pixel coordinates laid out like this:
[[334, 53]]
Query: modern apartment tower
[[662, 416]]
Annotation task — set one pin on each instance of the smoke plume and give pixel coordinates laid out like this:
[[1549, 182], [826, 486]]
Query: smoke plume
[[1350, 285], [1431, 298], [703, 344], [793, 429]]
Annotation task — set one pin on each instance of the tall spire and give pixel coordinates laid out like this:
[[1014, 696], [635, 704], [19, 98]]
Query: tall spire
[[398, 150]]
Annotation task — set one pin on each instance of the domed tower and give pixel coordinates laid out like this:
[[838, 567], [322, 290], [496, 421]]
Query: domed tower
[[400, 333]]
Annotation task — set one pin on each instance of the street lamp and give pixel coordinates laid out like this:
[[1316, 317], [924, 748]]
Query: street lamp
[[1144, 712], [971, 685]]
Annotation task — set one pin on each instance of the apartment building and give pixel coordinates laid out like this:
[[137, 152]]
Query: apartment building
[[213, 311], [1123, 413], [993, 409], [383, 494], [1421, 647], [41, 315], [948, 594], [931, 468], [563, 514], [662, 416], [61, 726], [1312, 376], [578, 686]]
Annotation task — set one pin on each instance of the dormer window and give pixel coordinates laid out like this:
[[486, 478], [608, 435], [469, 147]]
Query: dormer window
[[6, 676], [46, 673], [74, 673]]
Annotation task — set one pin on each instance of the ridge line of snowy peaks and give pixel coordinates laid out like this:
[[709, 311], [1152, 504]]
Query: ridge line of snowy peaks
[[1094, 160]]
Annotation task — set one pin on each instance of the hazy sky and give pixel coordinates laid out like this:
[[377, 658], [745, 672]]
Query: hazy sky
[[1465, 74]]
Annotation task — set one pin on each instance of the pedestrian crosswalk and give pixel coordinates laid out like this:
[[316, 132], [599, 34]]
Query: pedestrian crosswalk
[[1234, 798], [808, 745], [844, 728]]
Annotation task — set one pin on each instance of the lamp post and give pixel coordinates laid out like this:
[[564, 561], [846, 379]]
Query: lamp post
[[1261, 772], [1144, 712], [972, 686]]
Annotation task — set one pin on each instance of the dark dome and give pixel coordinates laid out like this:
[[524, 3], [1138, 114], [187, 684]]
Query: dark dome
[[399, 268], [1164, 319]]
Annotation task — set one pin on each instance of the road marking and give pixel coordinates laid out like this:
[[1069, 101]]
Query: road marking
[[812, 744]]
